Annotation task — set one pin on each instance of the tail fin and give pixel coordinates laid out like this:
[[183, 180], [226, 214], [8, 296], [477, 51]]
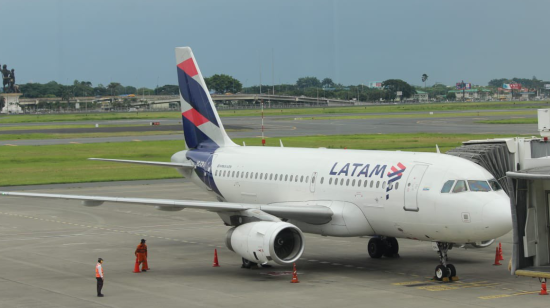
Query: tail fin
[[202, 127]]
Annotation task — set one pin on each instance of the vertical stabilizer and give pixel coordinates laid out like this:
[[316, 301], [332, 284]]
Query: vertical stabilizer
[[201, 124]]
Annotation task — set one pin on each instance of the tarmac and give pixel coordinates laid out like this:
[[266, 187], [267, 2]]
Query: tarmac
[[49, 248], [48, 251]]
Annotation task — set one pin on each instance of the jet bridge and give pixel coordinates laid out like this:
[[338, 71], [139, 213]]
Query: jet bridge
[[522, 167]]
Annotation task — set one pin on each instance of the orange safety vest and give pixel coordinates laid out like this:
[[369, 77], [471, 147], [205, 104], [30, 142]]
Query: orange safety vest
[[99, 271]]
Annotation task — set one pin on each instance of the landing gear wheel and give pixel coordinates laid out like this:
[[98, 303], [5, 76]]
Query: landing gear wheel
[[392, 248], [248, 264], [376, 248], [452, 270], [441, 272]]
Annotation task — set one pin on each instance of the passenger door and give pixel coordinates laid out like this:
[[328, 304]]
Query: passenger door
[[313, 179], [412, 187]]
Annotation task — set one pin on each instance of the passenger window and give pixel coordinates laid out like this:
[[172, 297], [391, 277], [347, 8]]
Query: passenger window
[[358, 183], [224, 172], [271, 176], [329, 181], [478, 185], [336, 181], [460, 186], [296, 179], [377, 184], [353, 183], [322, 179], [276, 175], [371, 184], [396, 185], [302, 179], [341, 182], [307, 179], [447, 186], [384, 184], [366, 183], [291, 177], [256, 177], [347, 182]]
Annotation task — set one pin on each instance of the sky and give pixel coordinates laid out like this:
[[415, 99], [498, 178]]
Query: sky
[[350, 41]]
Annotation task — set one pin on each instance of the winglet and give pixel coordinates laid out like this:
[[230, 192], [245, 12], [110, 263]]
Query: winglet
[[437, 149]]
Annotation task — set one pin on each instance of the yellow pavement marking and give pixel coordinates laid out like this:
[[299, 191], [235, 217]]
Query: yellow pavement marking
[[507, 295], [407, 283], [137, 140], [73, 142], [10, 145]]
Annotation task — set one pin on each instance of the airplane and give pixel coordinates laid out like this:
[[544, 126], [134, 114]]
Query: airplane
[[270, 196]]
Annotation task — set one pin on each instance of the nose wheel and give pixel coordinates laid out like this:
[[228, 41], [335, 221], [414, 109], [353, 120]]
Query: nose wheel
[[444, 271]]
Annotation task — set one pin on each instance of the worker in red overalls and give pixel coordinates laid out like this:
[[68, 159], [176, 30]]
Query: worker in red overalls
[[141, 254]]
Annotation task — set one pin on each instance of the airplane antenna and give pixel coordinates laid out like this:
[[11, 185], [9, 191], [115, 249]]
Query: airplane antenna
[[263, 137], [437, 148], [281, 142]]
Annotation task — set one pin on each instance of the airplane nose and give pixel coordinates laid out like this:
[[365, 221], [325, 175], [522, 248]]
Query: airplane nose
[[497, 216]]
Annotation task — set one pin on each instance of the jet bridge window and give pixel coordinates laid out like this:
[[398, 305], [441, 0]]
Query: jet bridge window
[[478, 185], [494, 185], [447, 186], [460, 186]]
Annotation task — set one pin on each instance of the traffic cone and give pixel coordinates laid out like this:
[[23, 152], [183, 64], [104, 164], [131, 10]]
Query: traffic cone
[[294, 275], [543, 287], [136, 267], [500, 256], [497, 258], [216, 263]]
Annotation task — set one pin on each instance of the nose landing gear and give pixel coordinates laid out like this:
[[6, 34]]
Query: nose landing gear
[[444, 271]]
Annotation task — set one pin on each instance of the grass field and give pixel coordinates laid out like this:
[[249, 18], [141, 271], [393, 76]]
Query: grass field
[[41, 136], [511, 121], [268, 112], [27, 165]]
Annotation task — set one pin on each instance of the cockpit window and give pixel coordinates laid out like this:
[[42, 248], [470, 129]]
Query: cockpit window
[[478, 185], [494, 185], [447, 186], [460, 186]]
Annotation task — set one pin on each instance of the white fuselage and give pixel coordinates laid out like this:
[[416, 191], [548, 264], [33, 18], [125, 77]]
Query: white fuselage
[[365, 194]]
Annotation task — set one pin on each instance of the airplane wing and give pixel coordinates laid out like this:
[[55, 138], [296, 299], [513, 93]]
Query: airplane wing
[[152, 163], [315, 214]]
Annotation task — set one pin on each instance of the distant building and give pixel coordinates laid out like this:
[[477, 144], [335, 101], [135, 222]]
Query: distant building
[[420, 96], [375, 84], [482, 94]]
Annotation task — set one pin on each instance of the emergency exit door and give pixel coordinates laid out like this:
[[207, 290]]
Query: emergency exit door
[[412, 186]]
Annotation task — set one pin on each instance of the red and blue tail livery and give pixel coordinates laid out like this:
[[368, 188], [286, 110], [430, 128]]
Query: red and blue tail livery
[[201, 124]]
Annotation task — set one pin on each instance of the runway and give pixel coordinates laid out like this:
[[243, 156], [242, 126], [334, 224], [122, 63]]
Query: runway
[[303, 125], [49, 249]]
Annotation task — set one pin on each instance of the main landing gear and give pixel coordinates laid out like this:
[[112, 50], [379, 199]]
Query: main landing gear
[[383, 246], [444, 271]]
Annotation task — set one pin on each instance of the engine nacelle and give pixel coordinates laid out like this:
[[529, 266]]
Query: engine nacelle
[[482, 244], [265, 241]]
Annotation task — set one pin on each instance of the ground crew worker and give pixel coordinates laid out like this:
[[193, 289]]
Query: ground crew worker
[[99, 276], [141, 254]]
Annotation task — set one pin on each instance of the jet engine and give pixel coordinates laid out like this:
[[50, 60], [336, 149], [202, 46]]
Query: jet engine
[[482, 244], [265, 241]]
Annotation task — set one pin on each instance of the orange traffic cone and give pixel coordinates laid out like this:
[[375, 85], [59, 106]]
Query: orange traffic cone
[[497, 258], [500, 256], [136, 267], [216, 263], [543, 287], [294, 275]]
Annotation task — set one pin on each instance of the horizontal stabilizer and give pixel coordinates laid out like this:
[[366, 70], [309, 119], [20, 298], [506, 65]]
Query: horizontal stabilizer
[[151, 163]]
